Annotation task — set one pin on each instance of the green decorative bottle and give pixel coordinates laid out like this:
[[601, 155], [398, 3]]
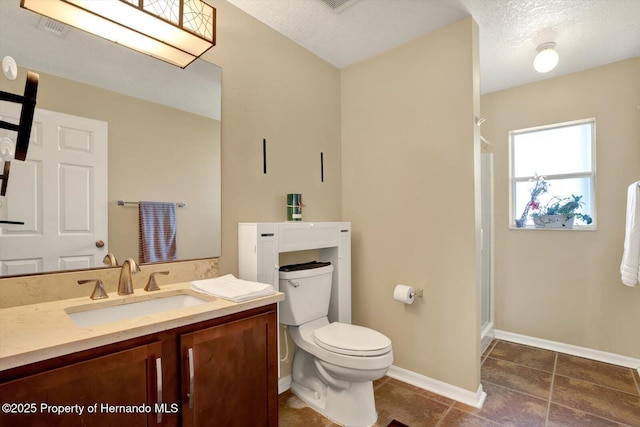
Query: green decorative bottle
[[294, 207]]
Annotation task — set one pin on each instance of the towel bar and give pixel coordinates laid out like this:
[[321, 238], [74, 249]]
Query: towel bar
[[122, 203]]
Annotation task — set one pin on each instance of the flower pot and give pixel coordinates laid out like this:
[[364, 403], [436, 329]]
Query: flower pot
[[553, 221]]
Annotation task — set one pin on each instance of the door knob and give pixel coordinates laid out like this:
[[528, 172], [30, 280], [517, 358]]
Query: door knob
[[99, 244]]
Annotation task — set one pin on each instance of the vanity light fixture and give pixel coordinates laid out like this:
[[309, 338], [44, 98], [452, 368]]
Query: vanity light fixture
[[547, 58], [175, 31]]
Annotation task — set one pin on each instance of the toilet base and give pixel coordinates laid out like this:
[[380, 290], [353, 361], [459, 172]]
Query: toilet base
[[351, 404], [338, 407]]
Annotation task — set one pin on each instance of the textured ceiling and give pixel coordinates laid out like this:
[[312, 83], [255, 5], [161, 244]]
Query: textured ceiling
[[587, 33]]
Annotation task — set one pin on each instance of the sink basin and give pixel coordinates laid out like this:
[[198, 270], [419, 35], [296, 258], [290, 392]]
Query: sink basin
[[99, 315]]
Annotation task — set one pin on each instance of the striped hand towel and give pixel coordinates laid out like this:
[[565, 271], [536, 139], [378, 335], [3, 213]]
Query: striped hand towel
[[157, 241]]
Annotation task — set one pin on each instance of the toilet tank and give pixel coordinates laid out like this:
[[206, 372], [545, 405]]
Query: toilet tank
[[307, 290]]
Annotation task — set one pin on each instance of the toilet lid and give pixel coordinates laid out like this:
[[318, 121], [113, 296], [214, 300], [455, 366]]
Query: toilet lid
[[351, 340]]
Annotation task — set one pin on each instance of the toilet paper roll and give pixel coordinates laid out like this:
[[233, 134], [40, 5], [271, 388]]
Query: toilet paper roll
[[404, 293]]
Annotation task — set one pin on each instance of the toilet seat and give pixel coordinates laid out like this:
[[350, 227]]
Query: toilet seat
[[351, 340]]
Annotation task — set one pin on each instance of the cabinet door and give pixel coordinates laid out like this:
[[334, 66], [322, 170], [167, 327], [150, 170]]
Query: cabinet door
[[115, 390], [230, 374]]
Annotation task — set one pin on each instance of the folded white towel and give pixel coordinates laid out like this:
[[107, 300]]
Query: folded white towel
[[230, 288], [630, 266]]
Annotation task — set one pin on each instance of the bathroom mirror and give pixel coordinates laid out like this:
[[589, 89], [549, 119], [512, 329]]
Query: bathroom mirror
[[164, 126]]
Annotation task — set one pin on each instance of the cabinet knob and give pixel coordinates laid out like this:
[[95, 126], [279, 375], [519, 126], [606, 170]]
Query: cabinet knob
[[99, 244]]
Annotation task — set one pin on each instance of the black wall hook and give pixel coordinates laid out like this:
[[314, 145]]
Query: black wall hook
[[28, 102]]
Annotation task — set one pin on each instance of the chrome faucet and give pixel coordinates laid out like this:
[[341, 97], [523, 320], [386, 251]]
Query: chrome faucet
[[129, 267]]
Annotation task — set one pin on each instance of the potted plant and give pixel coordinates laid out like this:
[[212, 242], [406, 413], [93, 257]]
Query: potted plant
[[560, 212], [540, 186]]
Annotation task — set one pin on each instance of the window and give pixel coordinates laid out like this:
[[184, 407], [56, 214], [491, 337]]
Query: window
[[564, 154]]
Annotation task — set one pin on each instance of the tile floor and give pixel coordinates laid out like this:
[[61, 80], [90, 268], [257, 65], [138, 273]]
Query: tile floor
[[525, 386]]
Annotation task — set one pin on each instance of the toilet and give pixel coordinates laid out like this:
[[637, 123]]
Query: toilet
[[334, 364]]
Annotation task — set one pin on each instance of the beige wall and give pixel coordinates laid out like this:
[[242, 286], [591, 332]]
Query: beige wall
[[147, 161], [274, 89], [409, 169], [565, 286]]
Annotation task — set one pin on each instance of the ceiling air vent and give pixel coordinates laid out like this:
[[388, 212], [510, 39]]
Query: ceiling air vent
[[339, 5], [53, 27]]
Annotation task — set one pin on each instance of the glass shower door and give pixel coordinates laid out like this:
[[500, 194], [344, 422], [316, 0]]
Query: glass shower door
[[486, 218]]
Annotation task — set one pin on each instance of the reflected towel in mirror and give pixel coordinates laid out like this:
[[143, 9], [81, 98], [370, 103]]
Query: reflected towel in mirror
[[157, 231]]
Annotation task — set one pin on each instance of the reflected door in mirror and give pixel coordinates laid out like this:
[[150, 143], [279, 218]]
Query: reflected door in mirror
[[60, 192]]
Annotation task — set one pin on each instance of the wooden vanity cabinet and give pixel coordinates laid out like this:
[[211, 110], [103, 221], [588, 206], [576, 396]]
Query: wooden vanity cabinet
[[86, 393], [226, 374], [220, 372]]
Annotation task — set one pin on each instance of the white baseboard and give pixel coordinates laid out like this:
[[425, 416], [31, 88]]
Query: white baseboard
[[486, 336], [452, 392], [574, 350], [444, 389], [284, 384]]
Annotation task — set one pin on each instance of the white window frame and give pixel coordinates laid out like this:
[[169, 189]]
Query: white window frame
[[592, 175]]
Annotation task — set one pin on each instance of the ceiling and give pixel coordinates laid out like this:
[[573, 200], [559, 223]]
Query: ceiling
[[587, 33]]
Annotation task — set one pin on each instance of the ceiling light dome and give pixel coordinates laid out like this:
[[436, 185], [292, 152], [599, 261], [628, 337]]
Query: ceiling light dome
[[546, 59]]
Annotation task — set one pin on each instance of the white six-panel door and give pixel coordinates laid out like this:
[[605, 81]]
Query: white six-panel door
[[59, 192]]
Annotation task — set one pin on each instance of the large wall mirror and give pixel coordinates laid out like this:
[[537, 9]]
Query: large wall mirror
[[163, 138]]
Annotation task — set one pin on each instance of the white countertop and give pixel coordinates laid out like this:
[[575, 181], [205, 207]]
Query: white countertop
[[36, 332]]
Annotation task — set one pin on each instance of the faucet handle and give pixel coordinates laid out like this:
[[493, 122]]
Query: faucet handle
[[98, 290], [153, 285]]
